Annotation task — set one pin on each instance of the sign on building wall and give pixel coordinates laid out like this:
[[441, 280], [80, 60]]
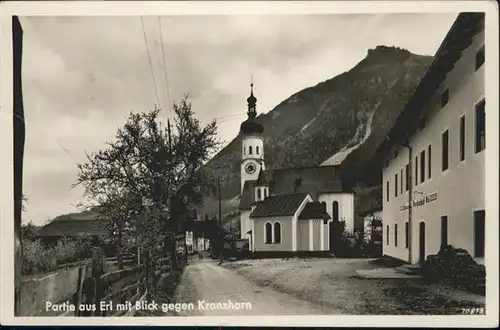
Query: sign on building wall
[[373, 218], [422, 201]]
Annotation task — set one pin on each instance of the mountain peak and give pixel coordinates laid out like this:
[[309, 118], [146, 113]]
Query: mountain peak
[[335, 115], [382, 50]]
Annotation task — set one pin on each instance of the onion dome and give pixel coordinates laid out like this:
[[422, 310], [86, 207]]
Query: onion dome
[[251, 100], [250, 126]]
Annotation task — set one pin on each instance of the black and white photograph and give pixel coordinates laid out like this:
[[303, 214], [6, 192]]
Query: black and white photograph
[[227, 164]]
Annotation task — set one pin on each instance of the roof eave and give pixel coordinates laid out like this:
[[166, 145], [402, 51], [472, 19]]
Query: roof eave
[[432, 78], [272, 215]]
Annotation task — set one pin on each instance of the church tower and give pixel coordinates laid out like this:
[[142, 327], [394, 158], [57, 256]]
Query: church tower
[[252, 152]]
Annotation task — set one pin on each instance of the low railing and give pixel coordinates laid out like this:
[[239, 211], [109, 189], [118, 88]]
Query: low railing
[[116, 292], [107, 294]]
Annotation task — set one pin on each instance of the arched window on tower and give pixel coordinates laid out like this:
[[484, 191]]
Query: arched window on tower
[[250, 150], [277, 232], [258, 194], [257, 150], [335, 211], [268, 233]]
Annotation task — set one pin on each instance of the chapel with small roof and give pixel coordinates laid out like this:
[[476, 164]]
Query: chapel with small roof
[[288, 211]]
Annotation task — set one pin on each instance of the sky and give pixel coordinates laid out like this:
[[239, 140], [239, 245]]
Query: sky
[[83, 75]]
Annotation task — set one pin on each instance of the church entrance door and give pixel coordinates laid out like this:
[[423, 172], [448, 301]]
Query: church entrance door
[[334, 236]]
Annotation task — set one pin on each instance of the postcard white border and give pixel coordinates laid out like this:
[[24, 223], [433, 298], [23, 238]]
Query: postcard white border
[[115, 8]]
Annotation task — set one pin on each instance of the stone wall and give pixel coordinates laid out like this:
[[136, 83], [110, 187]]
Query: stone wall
[[55, 287]]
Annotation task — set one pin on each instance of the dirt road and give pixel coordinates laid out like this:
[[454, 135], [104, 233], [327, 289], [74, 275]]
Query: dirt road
[[213, 291]]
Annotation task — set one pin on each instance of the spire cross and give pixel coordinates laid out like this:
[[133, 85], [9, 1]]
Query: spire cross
[[251, 102]]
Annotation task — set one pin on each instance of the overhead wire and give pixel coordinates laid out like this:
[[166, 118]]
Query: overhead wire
[[230, 115], [167, 87], [219, 119], [150, 62], [223, 119]]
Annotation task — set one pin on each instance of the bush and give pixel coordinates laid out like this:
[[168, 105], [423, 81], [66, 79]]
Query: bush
[[433, 268], [40, 258], [84, 248], [37, 258], [347, 247], [454, 265], [371, 249], [65, 252]]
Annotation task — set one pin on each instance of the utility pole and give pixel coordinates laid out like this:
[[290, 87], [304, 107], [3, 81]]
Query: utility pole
[[221, 230], [220, 201], [171, 240], [169, 135]]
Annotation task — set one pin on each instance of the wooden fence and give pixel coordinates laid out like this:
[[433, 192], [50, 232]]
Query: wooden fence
[[116, 292]]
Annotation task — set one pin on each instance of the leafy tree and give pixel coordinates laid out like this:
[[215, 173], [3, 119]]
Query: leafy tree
[[28, 231], [232, 234], [116, 212], [149, 177]]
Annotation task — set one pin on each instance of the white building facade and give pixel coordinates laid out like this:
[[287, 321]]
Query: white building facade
[[447, 165]]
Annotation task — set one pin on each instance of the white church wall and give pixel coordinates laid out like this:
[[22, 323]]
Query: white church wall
[[259, 238], [346, 213], [295, 220], [316, 234], [303, 235], [257, 145], [245, 224]]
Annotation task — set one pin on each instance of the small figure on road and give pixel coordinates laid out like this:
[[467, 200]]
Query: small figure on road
[[221, 258], [200, 255]]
